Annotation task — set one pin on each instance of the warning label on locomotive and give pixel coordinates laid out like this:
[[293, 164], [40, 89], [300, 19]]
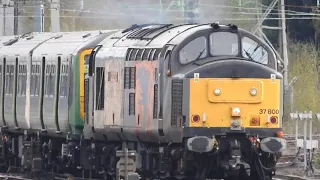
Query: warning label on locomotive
[[196, 77], [268, 111], [273, 78]]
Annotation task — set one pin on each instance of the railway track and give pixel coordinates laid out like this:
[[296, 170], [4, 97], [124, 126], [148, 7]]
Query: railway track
[[44, 177], [12, 177], [280, 176]]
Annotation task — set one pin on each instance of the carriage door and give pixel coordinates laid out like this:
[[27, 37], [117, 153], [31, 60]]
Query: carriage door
[[89, 86], [83, 70]]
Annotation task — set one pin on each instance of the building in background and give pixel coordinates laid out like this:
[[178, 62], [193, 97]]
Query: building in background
[[6, 17]]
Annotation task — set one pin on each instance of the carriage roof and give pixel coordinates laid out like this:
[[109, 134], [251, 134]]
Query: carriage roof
[[48, 43]]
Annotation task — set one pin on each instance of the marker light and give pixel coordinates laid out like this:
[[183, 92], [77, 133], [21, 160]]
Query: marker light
[[217, 92], [274, 119], [236, 111], [253, 91], [255, 121], [280, 134], [195, 118]]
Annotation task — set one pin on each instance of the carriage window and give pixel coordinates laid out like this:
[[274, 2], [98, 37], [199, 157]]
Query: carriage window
[[224, 44], [253, 50], [64, 80], [35, 79], [194, 50], [9, 78], [50, 72], [22, 79]]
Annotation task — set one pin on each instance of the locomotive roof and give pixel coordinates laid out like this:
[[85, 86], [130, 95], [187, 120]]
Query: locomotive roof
[[52, 43], [143, 36], [148, 36], [155, 35]]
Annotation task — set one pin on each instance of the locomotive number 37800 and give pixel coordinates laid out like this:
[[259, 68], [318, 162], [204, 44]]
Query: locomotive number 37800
[[268, 111]]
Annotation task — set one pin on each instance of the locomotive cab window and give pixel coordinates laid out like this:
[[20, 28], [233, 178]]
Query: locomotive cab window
[[194, 50], [224, 44], [254, 51]]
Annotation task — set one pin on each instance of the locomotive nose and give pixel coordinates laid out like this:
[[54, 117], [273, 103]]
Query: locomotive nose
[[234, 94]]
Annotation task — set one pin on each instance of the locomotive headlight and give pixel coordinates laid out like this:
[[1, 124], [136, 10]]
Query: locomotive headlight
[[253, 91], [235, 111], [217, 92]]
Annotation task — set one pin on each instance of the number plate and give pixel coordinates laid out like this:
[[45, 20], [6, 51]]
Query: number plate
[[268, 111]]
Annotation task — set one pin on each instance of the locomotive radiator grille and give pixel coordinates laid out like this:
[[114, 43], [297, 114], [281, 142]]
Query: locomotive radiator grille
[[129, 77], [176, 99]]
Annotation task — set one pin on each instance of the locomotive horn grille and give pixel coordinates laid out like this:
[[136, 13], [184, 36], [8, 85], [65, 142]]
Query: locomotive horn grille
[[176, 100]]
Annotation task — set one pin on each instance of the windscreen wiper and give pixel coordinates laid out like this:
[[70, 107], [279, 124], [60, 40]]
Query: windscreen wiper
[[248, 54], [199, 56]]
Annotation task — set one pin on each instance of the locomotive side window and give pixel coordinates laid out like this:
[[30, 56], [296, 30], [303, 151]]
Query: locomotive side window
[[224, 44], [254, 51], [194, 50]]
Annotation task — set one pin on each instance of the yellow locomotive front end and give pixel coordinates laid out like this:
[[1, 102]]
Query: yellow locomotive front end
[[236, 103], [227, 93]]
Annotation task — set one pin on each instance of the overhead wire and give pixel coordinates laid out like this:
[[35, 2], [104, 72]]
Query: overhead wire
[[148, 7], [293, 13], [183, 18], [112, 13], [236, 13]]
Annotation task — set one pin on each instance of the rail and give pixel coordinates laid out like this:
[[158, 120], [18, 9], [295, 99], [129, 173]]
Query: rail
[[282, 176]]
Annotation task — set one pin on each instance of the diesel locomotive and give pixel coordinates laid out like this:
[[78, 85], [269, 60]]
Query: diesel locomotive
[[183, 101]]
